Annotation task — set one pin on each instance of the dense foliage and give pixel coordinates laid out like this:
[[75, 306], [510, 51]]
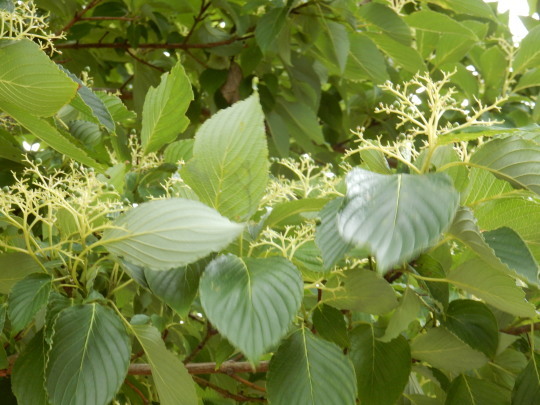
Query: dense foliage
[[186, 216]]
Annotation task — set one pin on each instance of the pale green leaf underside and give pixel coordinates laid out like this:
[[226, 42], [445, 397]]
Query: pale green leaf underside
[[229, 169], [43, 130], [403, 315], [163, 114], [396, 216], [173, 382], [14, 267], [363, 291], [442, 349], [467, 390], [252, 302], [483, 186], [309, 371], [89, 356], [513, 158], [31, 81], [492, 285], [528, 54], [163, 234]]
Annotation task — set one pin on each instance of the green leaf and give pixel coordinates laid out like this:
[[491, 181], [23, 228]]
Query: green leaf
[[428, 266], [179, 150], [173, 382], [396, 216], [375, 161], [493, 286], [327, 237], [27, 297], [176, 287], [439, 23], [29, 373], [269, 27], [365, 61], [483, 186], [163, 234], [405, 56], [333, 43], [49, 134], [8, 147], [252, 302], [363, 291], [163, 114], [477, 8], [330, 325], [522, 214], [290, 212], [387, 20], [466, 390], [528, 53], [474, 323], [527, 387], [531, 78], [382, 369], [310, 371], [512, 251], [403, 315], [15, 267], [512, 158], [229, 169], [89, 356], [32, 83], [443, 350]]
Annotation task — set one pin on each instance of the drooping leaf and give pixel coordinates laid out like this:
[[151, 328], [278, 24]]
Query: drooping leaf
[[29, 373], [163, 114], [327, 238], [89, 356], [531, 78], [528, 54], [14, 267], [527, 387], [382, 368], [474, 323], [179, 150], [365, 60], [387, 20], [403, 315], [432, 21], [428, 266], [176, 287], [269, 28], [363, 291], [26, 298], [330, 325], [513, 252], [466, 390], [396, 216], [252, 302], [163, 234], [229, 169], [173, 382], [333, 43], [405, 56], [492, 285], [309, 371], [476, 8], [49, 134], [31, 82], [290, 212], [443, 350], [512, 158], [483, 185]]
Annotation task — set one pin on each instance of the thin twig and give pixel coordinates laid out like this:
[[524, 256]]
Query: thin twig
[[197, 19], [247, 383], [518, 330], [79, 15], [127, 45], [226, 393], [137, 391], [107, 18], [144, 62], [209, 333]]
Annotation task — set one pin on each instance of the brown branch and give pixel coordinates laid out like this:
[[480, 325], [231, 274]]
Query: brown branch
[[137, 391], [197, 19], [518, 330], [209, 333], [107, 18], [226, 393], [247, 383], [127, 45], [228, 367], [79, 15], [144, 62]]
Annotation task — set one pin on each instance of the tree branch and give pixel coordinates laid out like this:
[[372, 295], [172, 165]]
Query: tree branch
[[518, 330], [106, 18], [228, 367], [144, 62], [79, 15], [127, 45]]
